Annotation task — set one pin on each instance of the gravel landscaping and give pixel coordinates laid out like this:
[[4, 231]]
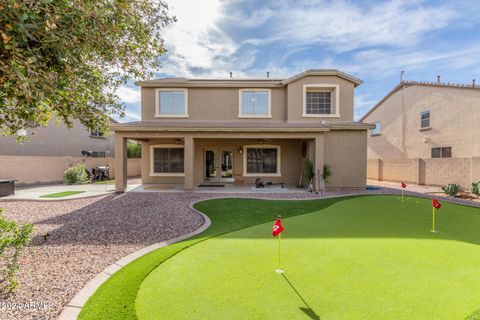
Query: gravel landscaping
[[87, 235]]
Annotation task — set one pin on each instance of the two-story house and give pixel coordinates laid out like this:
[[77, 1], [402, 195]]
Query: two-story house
[[195, 131], [426, 133]]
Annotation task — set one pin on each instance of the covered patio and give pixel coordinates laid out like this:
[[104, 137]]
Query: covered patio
[[201, 159]]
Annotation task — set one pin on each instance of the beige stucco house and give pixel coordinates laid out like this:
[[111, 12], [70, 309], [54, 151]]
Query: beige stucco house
[[58, 140], [427, 133], [196, 131], [53, 149]]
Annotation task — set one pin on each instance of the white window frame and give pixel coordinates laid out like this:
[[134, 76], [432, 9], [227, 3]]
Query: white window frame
[[333, 88], [240, 103], [165, 174], [429, 119], [373, 133], [262, 146], [157, 103]]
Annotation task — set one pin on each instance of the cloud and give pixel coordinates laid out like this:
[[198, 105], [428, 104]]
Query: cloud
[[372, 40], [132, 115], [197, 45], [344, 26], [129, 95]]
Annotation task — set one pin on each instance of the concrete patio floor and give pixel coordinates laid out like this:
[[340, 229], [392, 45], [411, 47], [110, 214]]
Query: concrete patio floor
[[90, 190], [226, 188]]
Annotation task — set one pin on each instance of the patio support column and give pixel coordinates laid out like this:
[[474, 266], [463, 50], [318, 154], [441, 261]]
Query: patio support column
[[189, 160], [120, 163], [318, 158]]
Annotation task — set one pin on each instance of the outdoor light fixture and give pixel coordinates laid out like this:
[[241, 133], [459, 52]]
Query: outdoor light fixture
[[240, 150]]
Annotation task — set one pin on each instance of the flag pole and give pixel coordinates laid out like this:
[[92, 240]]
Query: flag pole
[[279, 252], [280, 270], [402, 195], [433, 220]]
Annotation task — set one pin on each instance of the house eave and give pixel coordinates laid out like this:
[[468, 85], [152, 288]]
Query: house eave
[[123, 128], [324, 72], [196, 83]]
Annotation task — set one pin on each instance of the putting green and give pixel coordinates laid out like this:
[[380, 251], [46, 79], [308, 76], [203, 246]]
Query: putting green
[[361, 258]]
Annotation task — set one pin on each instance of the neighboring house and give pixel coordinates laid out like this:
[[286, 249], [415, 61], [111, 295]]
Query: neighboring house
[[196, 131], [57, 140], [417, 124], [51, 150]]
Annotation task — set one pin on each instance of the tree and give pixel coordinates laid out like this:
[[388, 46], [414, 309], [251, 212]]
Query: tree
[[68, 57], [134, 149]]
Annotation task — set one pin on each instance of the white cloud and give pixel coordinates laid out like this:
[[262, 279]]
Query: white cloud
[[129, 95], [132, 115], [343, 26], [195, 43], [386, 62], [199, 45]]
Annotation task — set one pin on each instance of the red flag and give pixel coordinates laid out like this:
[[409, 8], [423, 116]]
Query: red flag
[[277, 227], [436, 204], [404, 185]]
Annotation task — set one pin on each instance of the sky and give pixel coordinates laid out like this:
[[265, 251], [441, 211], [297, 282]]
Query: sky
[[371, 40]]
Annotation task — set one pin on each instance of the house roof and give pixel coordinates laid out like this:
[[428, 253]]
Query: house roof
[[252, 126], [419, 83], [112, 119], [245, 82]]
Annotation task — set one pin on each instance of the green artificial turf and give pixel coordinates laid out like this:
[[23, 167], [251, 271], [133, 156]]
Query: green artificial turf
[[369, 257], [104, 182], [61, 194]]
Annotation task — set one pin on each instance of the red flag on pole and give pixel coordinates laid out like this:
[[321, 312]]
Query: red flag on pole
[[277, 227], [404, 185], [436, 204]]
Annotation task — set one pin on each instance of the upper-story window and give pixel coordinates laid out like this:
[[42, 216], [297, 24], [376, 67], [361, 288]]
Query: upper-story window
[[254, 103], [425, 119], [96, 133], [171, 103], [378, 129], [321, 100]]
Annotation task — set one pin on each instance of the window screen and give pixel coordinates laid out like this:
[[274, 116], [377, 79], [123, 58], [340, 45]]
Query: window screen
[[171, 102], [255, 103], [425, 119], [262, 160], [168, 160], [318, 102]]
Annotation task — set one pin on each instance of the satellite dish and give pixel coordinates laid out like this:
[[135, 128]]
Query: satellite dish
[[86, 153]]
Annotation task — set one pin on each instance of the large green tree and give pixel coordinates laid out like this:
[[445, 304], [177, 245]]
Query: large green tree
[[66, 58]]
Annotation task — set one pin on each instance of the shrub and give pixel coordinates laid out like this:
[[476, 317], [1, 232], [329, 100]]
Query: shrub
[[327, 172], [476, 188], [13, 239], [308, 169], [451, 189], [76, 175]]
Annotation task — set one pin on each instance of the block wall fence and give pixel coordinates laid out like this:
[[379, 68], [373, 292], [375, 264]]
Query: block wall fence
[[435, 172], [35, 170]]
